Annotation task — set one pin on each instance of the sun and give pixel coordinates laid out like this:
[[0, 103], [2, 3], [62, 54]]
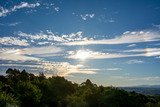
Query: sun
[[82, 54]]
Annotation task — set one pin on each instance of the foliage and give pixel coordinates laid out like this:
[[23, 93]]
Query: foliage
[[27, 90]]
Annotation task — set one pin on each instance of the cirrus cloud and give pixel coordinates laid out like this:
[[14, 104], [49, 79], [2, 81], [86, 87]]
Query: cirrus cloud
[[146, 52], [4, 12], [128, 37]]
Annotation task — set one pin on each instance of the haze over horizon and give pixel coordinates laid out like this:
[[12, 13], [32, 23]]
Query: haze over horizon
[[109, 42]]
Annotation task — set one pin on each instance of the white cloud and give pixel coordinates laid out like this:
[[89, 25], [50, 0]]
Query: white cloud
[[56, 9], [28, 54], [51, 6], [24, 5], [13, 41], [146, 52], [134, 61], [132, 45], [129, 37], [41, 50], [4, 12], [43, 43], [50, 36], [64, 68], [78, 39], [53, 68], [86, 16], [13, 24], [94, 55], [14, 55], [88, 53]]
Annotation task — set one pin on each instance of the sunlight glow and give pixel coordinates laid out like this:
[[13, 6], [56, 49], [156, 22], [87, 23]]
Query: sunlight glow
[[82, 54]]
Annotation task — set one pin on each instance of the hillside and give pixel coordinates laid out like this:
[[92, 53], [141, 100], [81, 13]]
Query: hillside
[[23, 89]]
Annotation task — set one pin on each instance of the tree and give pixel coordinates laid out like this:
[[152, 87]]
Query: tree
[[28, 94], [27, 90]]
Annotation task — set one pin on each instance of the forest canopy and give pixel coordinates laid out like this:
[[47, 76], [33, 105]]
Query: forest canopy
[[23, 89]]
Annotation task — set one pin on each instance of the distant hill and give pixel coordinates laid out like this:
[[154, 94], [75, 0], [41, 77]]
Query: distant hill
[[149, 86], [144, 89]]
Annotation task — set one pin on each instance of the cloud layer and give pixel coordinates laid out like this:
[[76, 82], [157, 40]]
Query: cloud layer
[[125, 38], [27, 54], [146, 52], [39, 47]]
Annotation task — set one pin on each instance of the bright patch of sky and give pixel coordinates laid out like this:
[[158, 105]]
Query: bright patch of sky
[[110, 42]]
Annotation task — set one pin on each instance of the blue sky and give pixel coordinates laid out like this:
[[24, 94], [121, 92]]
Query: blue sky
[[108, 41]]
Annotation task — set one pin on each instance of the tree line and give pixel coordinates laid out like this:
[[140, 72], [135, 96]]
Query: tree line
[[23, 89]]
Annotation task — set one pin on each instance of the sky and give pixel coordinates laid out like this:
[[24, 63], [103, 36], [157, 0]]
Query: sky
[[110, 42]]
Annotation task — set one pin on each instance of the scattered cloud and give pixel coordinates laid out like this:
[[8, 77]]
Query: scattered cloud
[[4, 12], [102, 18], [132, 45], [62, 68], [127, 37], [53, 68], [67, 69], [105, 19], [87, 16], [13, 24], [43, 43], [10, 24], [13, 41], [134, 61], [50, 36], [51, 6], [56, 9], [77, 38], [111, 20]]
